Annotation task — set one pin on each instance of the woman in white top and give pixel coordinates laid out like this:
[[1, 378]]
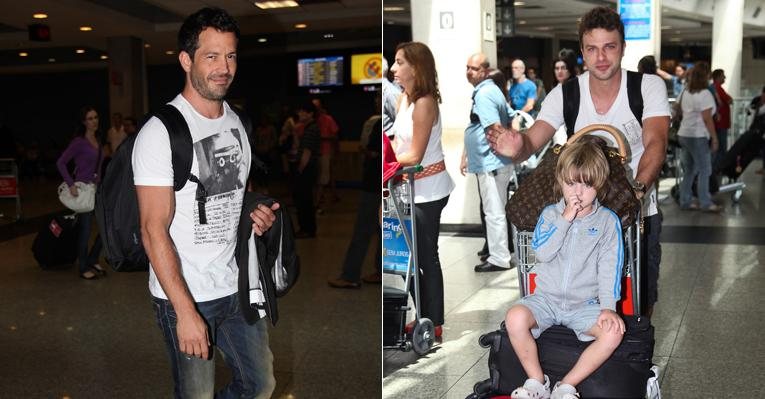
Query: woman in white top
[[418, 141], [698, 139]]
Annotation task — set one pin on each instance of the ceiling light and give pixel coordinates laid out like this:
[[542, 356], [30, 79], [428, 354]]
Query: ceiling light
[[23, 54], [521, 22], [328, 35], [544, 28], [275, 4], [666, 27], [86, 28], [104, 57], [169, 52], [675, 39], [300, 26], [262, 40], [519, 3], [39, 15], [80, 51], [392, 9], [146, 45], [51, 60]]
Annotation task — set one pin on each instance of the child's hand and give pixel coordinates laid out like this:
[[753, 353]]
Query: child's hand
[[573, 206], [610, 321]]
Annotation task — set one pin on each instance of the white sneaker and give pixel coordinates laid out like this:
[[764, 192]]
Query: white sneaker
[[564, 391], [532, 389]]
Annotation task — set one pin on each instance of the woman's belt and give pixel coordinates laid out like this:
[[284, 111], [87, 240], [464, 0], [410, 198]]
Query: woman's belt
[[430, 170]]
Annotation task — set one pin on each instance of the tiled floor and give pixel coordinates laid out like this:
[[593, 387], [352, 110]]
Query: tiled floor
[[64, 337], [709, 319]]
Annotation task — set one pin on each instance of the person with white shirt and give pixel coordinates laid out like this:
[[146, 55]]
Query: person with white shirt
[[698, 139]]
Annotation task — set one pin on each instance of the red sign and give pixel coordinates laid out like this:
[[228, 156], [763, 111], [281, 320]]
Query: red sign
[[8, 186]]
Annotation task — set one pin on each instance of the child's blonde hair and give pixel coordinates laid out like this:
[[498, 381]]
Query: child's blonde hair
[[583, 161]]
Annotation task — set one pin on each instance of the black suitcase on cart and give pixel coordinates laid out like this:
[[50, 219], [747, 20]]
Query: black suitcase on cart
[[394, 314], [56, 243], [624, 375], [743, 151]]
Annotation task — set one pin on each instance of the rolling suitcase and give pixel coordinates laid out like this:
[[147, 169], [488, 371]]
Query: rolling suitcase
[[56, 243], [624, 375]]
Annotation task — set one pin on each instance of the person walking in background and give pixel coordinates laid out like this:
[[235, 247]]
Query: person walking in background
[[565, 65], [391, 92], [265, 141], [369, 205], [86, 152], [193, 278], [698, 138], [522, 91], [329, 147], [307, 170], [418, 142], [288, 140], [722, 119], [541, 92], [492, 172]]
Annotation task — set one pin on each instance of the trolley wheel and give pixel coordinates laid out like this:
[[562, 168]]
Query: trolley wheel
[[736, 196], [423, 336], [486, 340]]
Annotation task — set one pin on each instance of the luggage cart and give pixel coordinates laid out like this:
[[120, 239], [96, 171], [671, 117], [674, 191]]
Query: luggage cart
[[400, 258]]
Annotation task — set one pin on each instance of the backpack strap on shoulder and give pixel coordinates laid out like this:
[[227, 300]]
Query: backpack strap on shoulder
[[180, 143], [635, 94], [571, 95]]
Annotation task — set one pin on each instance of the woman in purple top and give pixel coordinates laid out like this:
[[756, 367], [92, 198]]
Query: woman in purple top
[[84, 150]]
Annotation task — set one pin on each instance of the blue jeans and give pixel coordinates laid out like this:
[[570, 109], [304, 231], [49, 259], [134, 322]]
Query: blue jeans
[[696, 160], [86, 259], [244, 348]]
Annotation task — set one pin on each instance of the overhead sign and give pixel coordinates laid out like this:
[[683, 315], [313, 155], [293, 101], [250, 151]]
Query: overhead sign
[[636, 16]]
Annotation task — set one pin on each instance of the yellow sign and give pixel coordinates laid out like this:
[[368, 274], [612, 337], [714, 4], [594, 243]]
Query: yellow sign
[[366, 68]]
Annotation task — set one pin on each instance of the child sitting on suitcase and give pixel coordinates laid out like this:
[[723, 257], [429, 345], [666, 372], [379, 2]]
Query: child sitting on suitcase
[[578, 246]]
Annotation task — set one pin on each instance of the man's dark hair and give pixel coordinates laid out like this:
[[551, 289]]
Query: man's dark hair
[[603, 18], [717, 74], [307, 106], [217, 18], [499, 79]]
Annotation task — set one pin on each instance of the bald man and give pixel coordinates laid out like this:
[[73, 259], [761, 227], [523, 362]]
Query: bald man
[[523, 92], [492, 171]]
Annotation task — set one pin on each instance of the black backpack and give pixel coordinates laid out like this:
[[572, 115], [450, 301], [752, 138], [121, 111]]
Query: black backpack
[[116, 207], [571, 100]]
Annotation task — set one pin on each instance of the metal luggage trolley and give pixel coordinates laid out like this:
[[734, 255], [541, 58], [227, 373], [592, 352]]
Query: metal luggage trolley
[[400, 258]]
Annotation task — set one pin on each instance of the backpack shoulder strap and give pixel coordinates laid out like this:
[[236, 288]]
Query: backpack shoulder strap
[[571, 95], [180, 143], [635, 94]]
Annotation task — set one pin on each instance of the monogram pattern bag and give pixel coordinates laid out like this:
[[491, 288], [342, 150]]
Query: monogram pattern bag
[[537, 191]]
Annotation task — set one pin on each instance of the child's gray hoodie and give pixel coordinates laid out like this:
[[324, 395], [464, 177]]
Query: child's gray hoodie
[[581, 261]]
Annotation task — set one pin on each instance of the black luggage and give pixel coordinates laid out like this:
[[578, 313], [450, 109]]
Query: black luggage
[[624, 375], [743, 151], [394, 315], [56, 243]]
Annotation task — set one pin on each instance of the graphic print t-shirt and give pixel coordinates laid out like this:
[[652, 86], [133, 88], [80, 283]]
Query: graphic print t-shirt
[[221, 162]]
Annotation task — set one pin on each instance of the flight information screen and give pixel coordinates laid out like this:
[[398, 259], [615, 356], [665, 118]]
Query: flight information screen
[[322, 71]]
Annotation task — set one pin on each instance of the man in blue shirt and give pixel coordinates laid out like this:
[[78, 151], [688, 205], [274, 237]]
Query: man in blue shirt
[[493, 172], [523, 92]]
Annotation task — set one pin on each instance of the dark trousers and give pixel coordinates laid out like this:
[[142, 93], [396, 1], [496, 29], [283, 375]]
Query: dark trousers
[[650, 254], [367, 226], [428, 219], [86, 259], [303, 194]]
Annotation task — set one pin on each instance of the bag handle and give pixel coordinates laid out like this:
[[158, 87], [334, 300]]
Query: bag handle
[[622, 146]]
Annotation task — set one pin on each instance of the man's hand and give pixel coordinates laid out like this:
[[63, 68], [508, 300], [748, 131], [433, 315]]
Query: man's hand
[[192, 335], [263, 217], [506, 142], [608, 320], [573, 206], [463, 166], [714, 144]]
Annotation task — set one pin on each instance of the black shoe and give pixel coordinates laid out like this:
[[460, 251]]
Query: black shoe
[[483, 252], [488, 267]]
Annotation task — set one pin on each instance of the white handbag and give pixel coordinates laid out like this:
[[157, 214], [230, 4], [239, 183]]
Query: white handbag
[[85, 200]]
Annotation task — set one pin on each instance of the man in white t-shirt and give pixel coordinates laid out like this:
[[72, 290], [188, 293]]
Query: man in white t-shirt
[[193, 274], [603, 99]]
